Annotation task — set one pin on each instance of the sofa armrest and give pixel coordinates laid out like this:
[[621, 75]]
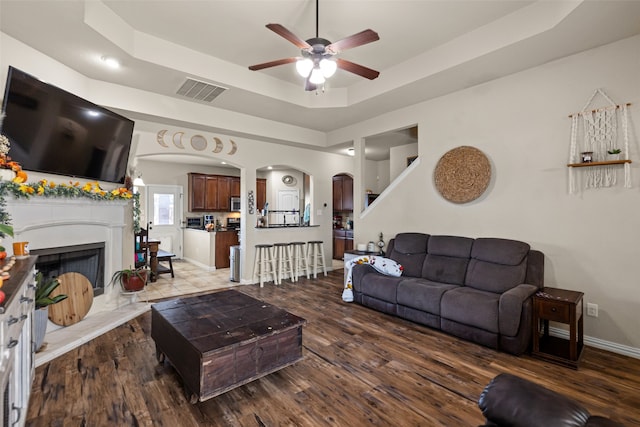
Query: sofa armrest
[[359, 270], [509, 400], [510, 308]]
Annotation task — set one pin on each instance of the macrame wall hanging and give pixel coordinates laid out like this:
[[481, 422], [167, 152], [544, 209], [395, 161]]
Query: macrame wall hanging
[[594, 133]]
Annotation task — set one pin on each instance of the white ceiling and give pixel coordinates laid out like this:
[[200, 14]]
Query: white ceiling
[[426, 48]]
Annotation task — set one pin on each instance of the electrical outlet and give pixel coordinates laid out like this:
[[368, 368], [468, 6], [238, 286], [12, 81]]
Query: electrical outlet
[[592, 309]]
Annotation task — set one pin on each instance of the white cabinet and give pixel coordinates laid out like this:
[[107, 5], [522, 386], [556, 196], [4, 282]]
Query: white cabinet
[[16, 346]]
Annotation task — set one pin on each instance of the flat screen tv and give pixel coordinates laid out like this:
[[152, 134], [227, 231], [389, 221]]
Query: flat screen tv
[[53, 131]]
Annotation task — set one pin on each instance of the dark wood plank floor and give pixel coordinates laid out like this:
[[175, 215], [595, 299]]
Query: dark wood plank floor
[[361, 367]]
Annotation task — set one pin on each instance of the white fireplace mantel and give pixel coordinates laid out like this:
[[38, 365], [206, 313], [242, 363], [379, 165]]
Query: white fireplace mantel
[[47, 222]]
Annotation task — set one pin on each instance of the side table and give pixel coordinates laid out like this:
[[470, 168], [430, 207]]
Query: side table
[[563, 306]]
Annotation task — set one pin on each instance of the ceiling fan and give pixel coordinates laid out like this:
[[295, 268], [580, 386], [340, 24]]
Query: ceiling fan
[[317, 62]]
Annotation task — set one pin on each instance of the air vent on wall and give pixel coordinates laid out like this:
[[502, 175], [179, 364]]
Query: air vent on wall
[[200, 91]]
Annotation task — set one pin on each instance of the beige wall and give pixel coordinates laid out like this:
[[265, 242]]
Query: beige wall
[[591, 240]]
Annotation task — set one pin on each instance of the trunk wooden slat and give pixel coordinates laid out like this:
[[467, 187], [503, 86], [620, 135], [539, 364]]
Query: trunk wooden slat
[[222, 340]]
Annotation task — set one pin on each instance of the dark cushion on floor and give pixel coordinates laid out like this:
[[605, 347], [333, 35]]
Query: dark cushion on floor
[[512, 401]]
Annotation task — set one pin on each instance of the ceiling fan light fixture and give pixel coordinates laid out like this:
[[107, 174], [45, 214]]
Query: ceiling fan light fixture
[[317, 78], [328, 67], [304, 67]]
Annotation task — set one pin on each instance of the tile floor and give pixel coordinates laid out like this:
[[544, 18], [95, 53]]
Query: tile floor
[[188, 279]]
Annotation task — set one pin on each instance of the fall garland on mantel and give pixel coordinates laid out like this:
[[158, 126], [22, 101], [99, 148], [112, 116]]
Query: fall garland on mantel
[[46, 188]]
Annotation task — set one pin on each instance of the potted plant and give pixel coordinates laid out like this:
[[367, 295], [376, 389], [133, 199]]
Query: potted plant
[[44, 289], [131, 280], [614, 154]]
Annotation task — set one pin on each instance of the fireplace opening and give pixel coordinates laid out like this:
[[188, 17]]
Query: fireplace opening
[[87, 259]]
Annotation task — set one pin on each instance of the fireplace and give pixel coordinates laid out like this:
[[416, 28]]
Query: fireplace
[[53, 225], [86, 259]]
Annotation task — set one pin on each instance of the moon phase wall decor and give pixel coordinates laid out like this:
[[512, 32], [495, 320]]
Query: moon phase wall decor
[[198, 142], [462, 174]]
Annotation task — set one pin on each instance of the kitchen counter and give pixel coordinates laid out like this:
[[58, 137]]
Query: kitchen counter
[[209, 249]]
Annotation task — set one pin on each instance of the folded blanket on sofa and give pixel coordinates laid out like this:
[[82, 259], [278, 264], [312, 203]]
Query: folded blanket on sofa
[[383, 265]]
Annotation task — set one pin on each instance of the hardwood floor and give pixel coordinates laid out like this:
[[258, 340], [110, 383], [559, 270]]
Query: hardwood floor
[[361, 367]]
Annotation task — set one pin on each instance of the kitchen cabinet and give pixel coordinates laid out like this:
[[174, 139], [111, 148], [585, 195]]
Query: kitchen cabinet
[[224, 241], [342, 242], [224, 194], [342, 193], [209, 193], [261, 193], [235, 186], [197, 184]]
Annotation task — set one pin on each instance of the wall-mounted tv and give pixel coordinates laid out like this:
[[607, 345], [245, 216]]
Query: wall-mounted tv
[[54, 131]]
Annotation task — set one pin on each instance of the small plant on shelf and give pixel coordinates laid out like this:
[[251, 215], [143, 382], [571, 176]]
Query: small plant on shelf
[[614, 151]]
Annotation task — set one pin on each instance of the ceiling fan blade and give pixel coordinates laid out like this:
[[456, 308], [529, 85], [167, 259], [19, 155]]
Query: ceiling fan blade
[[363, 37], [283, 32], [357, 69], [272, 63]]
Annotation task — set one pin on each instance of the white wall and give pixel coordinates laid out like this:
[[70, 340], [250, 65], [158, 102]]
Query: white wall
[[398, 159], [591, 240]]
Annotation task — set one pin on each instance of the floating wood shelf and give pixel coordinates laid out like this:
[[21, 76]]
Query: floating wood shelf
[[607, 163]]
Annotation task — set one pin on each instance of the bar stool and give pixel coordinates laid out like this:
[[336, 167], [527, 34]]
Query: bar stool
[[300, 265], [264, 264], [283, 257], [315, 257]]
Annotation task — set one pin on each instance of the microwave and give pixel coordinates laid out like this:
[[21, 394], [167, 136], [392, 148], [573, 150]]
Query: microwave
[[235, 204]]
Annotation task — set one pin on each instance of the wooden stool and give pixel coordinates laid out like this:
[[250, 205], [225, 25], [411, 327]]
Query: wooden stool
[[283, 257], [315, 254], [300, 265], [264, 264]]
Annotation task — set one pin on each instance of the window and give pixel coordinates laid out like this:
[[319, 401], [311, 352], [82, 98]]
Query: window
[[163, 209]]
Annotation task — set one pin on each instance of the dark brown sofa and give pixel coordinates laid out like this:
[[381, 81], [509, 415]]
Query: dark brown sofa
[[477, 289]]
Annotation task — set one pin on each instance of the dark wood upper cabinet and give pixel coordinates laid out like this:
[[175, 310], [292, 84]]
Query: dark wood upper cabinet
[[210, 193], [197, 183], [342, 193], [224, 193], [261, 193], [235, 186]]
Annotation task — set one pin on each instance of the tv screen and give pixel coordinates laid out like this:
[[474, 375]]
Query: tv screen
[[54, 131]]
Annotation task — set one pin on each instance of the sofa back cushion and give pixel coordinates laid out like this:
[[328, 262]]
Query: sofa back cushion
[[447, 259], [497, 265], [410, 250]]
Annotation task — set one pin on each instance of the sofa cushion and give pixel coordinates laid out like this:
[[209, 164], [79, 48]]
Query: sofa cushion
[[422, 294], [471, 307], [379, 286], [447, 259], [500, 251], [410, 250], [491, 277], [445, 269], [411, 243], [453, 246]]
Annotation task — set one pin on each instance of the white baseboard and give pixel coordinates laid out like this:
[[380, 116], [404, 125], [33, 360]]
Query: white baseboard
[[613, 347], [199, 264]]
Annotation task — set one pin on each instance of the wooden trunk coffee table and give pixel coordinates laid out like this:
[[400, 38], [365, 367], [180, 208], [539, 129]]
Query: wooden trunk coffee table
[[222, 340]]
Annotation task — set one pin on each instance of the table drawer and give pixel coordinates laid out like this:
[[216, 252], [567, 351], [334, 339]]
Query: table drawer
[[555, 311]]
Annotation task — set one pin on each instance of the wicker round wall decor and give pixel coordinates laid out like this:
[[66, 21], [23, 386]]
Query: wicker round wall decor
[[462, 174]]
